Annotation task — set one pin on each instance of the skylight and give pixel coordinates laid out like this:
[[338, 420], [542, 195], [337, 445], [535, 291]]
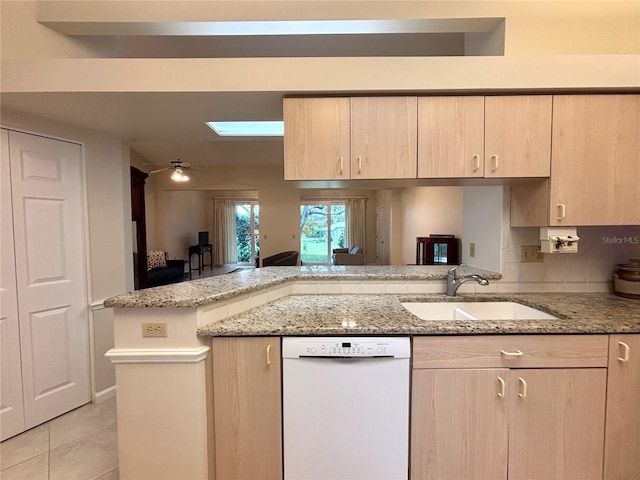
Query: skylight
[[248, 128]]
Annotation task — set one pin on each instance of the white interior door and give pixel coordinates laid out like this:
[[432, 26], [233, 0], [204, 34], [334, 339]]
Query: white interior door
[[46, 181], [11, 405]]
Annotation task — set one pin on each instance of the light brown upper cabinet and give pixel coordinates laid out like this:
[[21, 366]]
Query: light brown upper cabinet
[[595, 174], [595, 166], [384, 137], [517, 136], [492, 137], [316, 138], [450, 137]]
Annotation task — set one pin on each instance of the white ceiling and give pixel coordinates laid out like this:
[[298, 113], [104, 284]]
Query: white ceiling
[[165, 126]]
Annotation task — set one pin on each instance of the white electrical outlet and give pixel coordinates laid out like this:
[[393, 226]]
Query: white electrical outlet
[[154, 329], [472, 249]]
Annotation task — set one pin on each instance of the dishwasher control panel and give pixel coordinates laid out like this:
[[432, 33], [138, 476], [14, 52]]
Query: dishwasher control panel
[[296, 347]]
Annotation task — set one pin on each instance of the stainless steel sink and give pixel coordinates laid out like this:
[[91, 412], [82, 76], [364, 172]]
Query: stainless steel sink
[[474, 311]]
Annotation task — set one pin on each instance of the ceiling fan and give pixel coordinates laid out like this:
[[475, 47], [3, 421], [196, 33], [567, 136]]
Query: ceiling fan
[[179, 168]]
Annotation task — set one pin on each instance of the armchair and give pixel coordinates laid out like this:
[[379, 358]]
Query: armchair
[[348, 256]]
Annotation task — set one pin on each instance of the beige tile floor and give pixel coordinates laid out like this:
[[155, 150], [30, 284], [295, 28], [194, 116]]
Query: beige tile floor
[[80, 445]]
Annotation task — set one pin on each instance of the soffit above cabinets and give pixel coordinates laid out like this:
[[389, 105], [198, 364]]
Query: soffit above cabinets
[[203, 33]]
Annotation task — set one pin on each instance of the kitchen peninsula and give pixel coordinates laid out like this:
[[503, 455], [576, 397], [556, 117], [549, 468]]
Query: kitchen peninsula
[[165, 384]]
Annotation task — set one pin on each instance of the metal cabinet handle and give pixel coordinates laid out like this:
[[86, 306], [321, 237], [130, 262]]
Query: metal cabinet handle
[[523, 393], [562, 211], [476, 160], [341, 165], [268, 354], [503, 387], [494, 159], [517, 353], [359, 164], [625, 352]]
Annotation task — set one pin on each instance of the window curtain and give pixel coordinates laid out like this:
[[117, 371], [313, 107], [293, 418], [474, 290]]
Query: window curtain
[[354, 216], [224, 232]]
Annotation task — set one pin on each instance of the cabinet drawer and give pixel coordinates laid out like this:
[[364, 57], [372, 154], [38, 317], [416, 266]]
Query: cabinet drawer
[[511, 351]]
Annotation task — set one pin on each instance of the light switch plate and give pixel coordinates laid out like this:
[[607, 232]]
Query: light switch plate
[[472, 249]]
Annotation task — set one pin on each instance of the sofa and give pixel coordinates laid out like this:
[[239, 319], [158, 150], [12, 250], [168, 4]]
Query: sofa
[[281, 259], [353, 255], [161, 272]]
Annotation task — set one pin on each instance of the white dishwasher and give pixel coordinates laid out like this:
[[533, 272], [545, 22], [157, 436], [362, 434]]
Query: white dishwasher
[[346, 408]]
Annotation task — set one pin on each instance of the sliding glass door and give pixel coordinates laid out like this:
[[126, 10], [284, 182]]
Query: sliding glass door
[[321, 230], [247, 231]]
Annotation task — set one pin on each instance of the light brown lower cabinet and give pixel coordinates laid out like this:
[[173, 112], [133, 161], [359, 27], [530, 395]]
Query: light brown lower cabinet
[[622, 439], [247, 408], [515, 423]]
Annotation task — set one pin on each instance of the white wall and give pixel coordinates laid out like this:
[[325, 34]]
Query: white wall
[[482, 218], [109, 225], [425, 211], [183, 213]]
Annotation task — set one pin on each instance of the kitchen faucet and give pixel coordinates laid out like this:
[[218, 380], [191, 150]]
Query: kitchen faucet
[[454, 282]]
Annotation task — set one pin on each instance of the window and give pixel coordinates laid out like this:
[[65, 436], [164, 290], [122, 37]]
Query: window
[[247, 233], [321, 230]]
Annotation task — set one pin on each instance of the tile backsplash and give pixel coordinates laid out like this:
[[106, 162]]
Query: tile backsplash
[[599, 251]]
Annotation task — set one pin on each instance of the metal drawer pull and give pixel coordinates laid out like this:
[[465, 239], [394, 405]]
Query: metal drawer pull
[[476, 159], [523, 393], [502, 387], [625, 352], [517, 353], [359, 164], [495, 162], [269, 354], [341, 165]]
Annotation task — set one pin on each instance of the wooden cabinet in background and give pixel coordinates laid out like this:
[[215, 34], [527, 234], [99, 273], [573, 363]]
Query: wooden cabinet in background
[[622, 439], [317, 138], [247, 403], [384, 137], [450, 137], [477, 413], [517, 136]]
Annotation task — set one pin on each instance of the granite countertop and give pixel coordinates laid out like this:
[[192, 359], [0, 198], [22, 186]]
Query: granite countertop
[[384, 315], [204, 291]]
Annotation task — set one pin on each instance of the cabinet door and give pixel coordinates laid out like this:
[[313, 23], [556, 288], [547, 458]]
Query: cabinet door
[[556, 424], [622, 440], [247, 407], [384, 137], [596, 160], [458, 424], [517, 136], [450, 137], [11, 404], [316, 138]]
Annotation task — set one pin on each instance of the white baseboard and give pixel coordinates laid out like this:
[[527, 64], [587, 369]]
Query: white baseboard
[[105, 394]]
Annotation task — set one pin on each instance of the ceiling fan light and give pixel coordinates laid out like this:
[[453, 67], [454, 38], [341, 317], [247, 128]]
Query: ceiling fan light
[[184, 178], [176, 176]]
